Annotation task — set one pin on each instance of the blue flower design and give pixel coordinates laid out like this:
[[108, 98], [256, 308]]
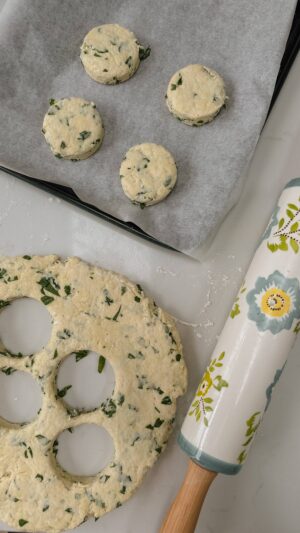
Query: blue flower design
[[273, 222], [274, 303], [272, 385]]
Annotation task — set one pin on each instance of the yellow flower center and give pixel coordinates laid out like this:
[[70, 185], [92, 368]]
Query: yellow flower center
[[275, 302]]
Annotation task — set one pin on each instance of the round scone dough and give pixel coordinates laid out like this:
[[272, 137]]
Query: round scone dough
[[148, 173], [195, 95], [110, 54], [98, 310], [73, 128]]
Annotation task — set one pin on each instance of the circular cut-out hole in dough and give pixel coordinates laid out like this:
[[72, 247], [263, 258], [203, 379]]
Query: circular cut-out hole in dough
[[84, 450], [25, 326], [20, 396], [85, 379]]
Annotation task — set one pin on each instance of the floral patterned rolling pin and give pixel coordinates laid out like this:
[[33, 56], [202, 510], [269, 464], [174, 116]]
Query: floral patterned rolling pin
[[236, 388]]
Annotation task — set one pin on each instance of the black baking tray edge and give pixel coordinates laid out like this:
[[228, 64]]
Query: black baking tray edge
[[67, 194]]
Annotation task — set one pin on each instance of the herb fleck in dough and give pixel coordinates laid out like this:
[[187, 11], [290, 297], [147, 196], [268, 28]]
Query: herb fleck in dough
[[195, 95], [110, 54], [148, 174], [73, 128], [98, 310]]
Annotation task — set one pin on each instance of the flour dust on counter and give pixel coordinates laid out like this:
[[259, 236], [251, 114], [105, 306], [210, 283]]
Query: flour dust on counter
[[148, 174], [73, 128], [111, 54], [195, 95], [96, 310]]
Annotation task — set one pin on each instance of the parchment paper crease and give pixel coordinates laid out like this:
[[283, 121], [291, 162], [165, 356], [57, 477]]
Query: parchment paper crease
[[39, 59]]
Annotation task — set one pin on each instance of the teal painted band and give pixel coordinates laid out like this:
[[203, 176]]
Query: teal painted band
[[293, 183], [205, 460]]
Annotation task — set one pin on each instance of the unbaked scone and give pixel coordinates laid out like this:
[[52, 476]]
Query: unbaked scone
[[98, 310], [148, 174], [111, 54], [73, 128], [195, 95]]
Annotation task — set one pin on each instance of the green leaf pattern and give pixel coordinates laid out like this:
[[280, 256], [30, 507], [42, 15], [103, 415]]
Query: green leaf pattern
[[285, 233], [251, 426], [202, 405], [235, 311]]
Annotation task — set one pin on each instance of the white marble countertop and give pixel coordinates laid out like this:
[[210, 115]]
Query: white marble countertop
[[264, 496]]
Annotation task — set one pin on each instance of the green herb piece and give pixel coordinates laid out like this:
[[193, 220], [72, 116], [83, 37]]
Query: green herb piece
[[65, 334], [129, 61], [67, 289], [22, 522], [109, 408], [144, 52], [167, 182], [47, 300], [137, 299], [178, 356], [101, 364], [52, 101], [55, 354], [84, 135], [105, 477], [118, 505], [158, 450], [80, 355], [166, 400], [62, 392], [123, 289], [63, 145], [49, 285], [8, 370], [158, 422], [121, 399], [108, 300], [123, 489], [28, 452], [3, 271], [45, 508], [59, 156], [3, 303], [40, 477], [55, 447], [69, 510], [175, 85], [28, 257], [142, 206], [169, 332], [115, 317]]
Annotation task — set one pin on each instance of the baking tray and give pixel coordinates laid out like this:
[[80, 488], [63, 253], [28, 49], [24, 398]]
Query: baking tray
[[67, 194]]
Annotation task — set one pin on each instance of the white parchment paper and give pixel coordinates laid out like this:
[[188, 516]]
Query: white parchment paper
[[39, 59]]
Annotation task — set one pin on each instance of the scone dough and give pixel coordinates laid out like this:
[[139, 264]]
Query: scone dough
[[110, 54], [73, 128], [98, 310], [195, 95], [148, 173]]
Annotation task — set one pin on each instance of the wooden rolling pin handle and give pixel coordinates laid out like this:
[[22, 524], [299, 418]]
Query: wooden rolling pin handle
[[184, 511]]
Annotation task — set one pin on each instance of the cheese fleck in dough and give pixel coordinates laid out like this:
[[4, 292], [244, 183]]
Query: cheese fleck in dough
[[110, 54], [73, 128], [195, 95], [148, 174], [98, 310]]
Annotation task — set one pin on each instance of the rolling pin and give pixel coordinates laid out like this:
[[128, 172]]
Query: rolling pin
[[236, 388]]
